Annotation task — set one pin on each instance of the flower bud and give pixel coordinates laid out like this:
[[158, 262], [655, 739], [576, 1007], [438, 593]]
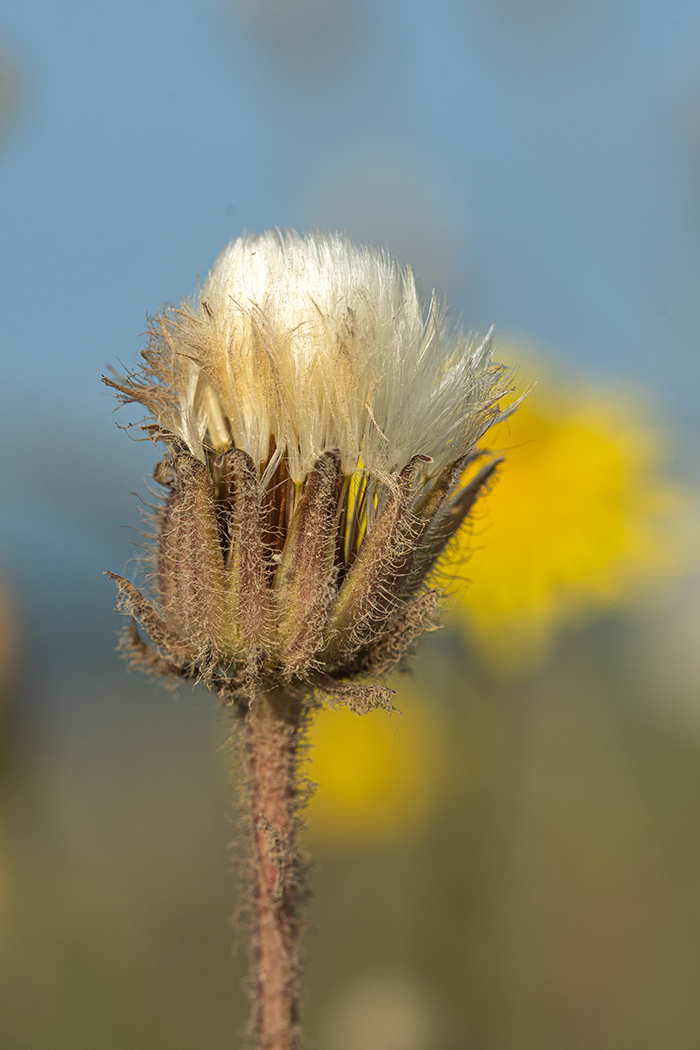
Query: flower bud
[[318, 421]]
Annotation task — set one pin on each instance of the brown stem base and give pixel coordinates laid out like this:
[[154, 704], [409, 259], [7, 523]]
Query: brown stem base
[[271, 736]]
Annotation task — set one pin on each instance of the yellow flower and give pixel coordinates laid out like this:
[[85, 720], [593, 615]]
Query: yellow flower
[[377, 775], [581, 519]]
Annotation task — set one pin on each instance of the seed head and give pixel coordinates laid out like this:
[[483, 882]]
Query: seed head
[[317, 420]]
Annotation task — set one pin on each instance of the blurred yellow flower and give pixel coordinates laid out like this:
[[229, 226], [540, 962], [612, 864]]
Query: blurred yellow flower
[[376, 774], [581, 518]]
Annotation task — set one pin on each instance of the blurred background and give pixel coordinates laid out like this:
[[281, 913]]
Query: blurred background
[[513, 863]]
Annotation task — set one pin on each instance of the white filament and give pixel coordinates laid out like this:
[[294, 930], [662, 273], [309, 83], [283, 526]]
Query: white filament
[[323, 344]]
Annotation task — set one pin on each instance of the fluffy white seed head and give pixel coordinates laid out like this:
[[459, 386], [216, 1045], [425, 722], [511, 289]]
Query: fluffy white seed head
[[309, 343], [317, 420]]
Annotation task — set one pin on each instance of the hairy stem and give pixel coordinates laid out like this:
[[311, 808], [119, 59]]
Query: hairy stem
[[272, 733]]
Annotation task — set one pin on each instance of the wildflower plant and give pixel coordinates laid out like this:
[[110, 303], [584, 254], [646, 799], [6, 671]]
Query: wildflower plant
[[317, 420]]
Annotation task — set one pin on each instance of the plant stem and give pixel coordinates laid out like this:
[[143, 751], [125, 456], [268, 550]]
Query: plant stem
[[272, 733]]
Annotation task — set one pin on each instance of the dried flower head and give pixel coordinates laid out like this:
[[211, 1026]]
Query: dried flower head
[[317, 420]]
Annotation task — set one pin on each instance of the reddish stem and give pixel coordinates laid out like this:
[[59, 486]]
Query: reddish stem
[[272, 733]]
